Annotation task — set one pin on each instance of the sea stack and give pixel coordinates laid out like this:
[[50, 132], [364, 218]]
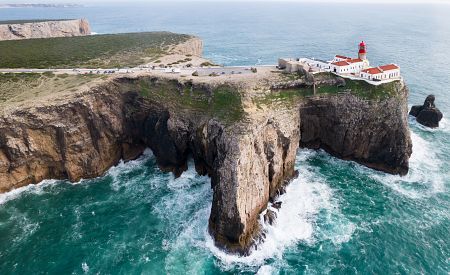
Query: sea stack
[[427, 114]]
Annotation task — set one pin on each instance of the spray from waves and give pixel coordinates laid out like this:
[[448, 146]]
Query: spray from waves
[[29, 189], [307, 199], [424, 178], [118, 172], [444, 126]]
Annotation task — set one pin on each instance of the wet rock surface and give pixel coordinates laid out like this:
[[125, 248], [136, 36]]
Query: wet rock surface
[[270, 217], [374, 133], [427, 114]]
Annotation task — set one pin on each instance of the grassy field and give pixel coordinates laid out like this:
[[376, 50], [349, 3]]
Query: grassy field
[[18, 88], [359, 88], [224, 102], [96, 51]]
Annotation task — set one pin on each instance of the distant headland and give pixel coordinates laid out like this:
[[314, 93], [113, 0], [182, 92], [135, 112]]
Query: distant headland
[[28, 29]]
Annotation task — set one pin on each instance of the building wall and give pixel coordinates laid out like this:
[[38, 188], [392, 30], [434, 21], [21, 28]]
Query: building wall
[[381, 76], [353, 68]]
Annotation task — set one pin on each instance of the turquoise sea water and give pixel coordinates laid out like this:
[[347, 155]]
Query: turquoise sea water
[[337, 217]]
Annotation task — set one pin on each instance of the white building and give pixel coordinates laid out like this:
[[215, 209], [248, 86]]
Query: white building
[[338, 58], [390, 71], [349, 66], [343, 65]]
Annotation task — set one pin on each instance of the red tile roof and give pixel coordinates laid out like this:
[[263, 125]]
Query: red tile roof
[[355, 60], [372, 71], [389, 67], [342, 57], [340, 63], [380, 69]]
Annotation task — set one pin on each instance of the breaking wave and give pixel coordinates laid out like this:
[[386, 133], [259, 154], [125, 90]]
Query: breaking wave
[[425, 176], [29, 189]]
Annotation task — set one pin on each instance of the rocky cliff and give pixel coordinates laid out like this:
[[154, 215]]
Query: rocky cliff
[[45, 29], [248, 152], [193, 46], [372, 132]]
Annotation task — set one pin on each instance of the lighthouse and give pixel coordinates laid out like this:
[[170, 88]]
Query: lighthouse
[[362, 53]]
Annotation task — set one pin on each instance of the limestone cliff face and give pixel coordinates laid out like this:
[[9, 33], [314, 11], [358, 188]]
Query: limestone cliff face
[[372, 132], [257, 162], [193, 46], [46, 29]]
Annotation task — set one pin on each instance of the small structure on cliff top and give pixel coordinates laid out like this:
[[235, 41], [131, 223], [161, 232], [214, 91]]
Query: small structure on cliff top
[[427, 114], [344, 66]]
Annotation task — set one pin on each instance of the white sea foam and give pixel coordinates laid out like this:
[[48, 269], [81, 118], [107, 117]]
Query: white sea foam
[[187, 207], [25, 225], [266, 270], [31, 189], [85, 267], [424, 178], [444, 126], [114, 172], [125, 167]]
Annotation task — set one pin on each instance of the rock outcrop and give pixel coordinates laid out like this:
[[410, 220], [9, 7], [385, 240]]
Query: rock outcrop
[[372, 132], [45, 29], [427, 114], [193, 46]]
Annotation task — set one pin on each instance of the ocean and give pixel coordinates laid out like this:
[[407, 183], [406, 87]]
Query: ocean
[[338, 217]]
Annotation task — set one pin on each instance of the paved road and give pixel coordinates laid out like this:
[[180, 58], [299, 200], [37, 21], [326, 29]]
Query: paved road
[[202, 71]]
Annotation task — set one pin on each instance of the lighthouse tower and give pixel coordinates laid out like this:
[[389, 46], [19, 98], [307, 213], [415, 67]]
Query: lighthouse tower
[[362, 54]]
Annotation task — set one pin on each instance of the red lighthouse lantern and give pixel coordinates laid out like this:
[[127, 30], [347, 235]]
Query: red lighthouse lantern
[[362, 54]]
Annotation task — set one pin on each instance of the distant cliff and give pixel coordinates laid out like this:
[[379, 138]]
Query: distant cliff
[[44, 29]]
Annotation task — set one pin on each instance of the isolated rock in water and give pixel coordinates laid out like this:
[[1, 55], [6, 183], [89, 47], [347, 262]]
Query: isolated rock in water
[[427, 114]]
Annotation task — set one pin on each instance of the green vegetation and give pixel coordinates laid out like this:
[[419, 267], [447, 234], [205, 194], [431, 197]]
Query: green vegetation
[[224, 102], [95, 51], [15, 87], [365, 90], [283, 96], [30, 21], [359, 88], [207, 64]]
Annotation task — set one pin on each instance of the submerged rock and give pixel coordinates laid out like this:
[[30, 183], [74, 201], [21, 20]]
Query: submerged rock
[[277, 205], [427, 114], [270, 217]]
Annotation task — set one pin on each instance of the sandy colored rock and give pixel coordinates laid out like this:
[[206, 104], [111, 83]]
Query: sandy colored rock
[[46, 29]]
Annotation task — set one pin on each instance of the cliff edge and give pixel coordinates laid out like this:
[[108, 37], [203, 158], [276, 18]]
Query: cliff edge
[[44, 29]]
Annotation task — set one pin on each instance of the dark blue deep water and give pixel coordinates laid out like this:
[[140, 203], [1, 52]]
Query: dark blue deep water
[[338, 217]]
